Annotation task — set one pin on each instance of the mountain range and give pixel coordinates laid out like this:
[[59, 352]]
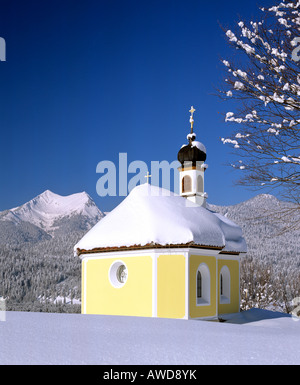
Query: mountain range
[[46, 215], [50, 215]]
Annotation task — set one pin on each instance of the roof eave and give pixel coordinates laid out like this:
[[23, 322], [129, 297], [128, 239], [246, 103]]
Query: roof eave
[[192, 245]]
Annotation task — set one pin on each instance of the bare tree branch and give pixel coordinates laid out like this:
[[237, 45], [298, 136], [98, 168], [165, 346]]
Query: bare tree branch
[[266, 87]]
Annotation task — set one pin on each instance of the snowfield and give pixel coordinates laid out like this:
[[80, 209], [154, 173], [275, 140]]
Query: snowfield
[[252, 337]]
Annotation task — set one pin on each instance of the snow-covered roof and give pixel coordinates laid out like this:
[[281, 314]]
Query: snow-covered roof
[[199, 145], [151, 216]]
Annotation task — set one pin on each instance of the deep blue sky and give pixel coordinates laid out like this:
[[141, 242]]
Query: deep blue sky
[[86, 80]]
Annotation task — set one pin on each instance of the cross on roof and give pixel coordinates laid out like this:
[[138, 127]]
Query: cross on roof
[[148, 176]]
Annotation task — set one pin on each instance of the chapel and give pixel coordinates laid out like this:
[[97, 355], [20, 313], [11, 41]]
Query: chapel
[[161, 254]]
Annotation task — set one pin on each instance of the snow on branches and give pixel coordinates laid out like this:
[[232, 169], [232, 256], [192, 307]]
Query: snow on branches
[[266, 86]]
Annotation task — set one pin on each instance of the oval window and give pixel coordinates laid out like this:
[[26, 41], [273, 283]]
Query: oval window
[[118, 274]]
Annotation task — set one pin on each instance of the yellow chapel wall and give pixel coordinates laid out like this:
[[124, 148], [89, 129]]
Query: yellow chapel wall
[[172, 294], [171, 286], [234, 269], [196, 310], [99, 296]]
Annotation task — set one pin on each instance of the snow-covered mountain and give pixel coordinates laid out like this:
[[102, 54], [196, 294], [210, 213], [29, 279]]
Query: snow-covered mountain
[[50, 214], [46, 215]]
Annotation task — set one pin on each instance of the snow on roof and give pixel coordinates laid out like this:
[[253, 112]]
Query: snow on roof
[[199, 145], [150, 215]]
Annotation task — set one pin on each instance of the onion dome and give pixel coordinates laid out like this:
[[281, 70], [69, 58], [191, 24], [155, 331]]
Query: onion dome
[[194, 151]]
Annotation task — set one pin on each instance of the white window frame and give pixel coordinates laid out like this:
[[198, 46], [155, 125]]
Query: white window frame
[[113, 274], [225, 296], [205, 290]]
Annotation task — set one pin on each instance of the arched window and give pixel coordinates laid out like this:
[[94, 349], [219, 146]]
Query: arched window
[[221, 284], [225, 285], [200, 184], [186, 184], [199, 285], [203, 285]]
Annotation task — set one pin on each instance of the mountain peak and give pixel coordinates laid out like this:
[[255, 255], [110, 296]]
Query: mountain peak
[[48, 192], [46, 209], [51, 194], [47, 195], [71, 202]]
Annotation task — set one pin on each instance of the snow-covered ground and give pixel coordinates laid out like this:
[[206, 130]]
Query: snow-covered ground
[[253, 337]]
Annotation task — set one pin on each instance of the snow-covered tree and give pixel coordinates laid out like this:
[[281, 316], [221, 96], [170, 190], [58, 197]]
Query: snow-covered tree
[[265, 87], [257, 288]]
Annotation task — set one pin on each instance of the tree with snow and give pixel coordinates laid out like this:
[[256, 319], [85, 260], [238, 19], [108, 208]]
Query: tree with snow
[[265, 85]]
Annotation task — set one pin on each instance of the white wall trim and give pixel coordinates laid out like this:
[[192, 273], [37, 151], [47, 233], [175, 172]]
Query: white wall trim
[[84, 285], [229, 257], [187, 286], [206, 276], [154, 284], [204, 252], [225, 299]]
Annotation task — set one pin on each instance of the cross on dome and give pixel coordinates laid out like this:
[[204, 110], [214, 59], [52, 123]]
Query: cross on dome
[[192, 110], [194, 151]]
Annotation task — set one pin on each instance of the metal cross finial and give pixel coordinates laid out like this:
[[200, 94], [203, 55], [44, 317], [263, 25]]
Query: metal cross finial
[[192, 110], [148, 176]]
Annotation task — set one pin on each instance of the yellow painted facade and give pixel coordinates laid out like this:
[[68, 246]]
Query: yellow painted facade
[[171, 286], [101, 297], [195, 310], [159, 285], [234, 305], [215, 305]]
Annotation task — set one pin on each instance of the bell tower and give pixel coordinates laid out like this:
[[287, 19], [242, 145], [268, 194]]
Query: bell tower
[[192, 158]]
